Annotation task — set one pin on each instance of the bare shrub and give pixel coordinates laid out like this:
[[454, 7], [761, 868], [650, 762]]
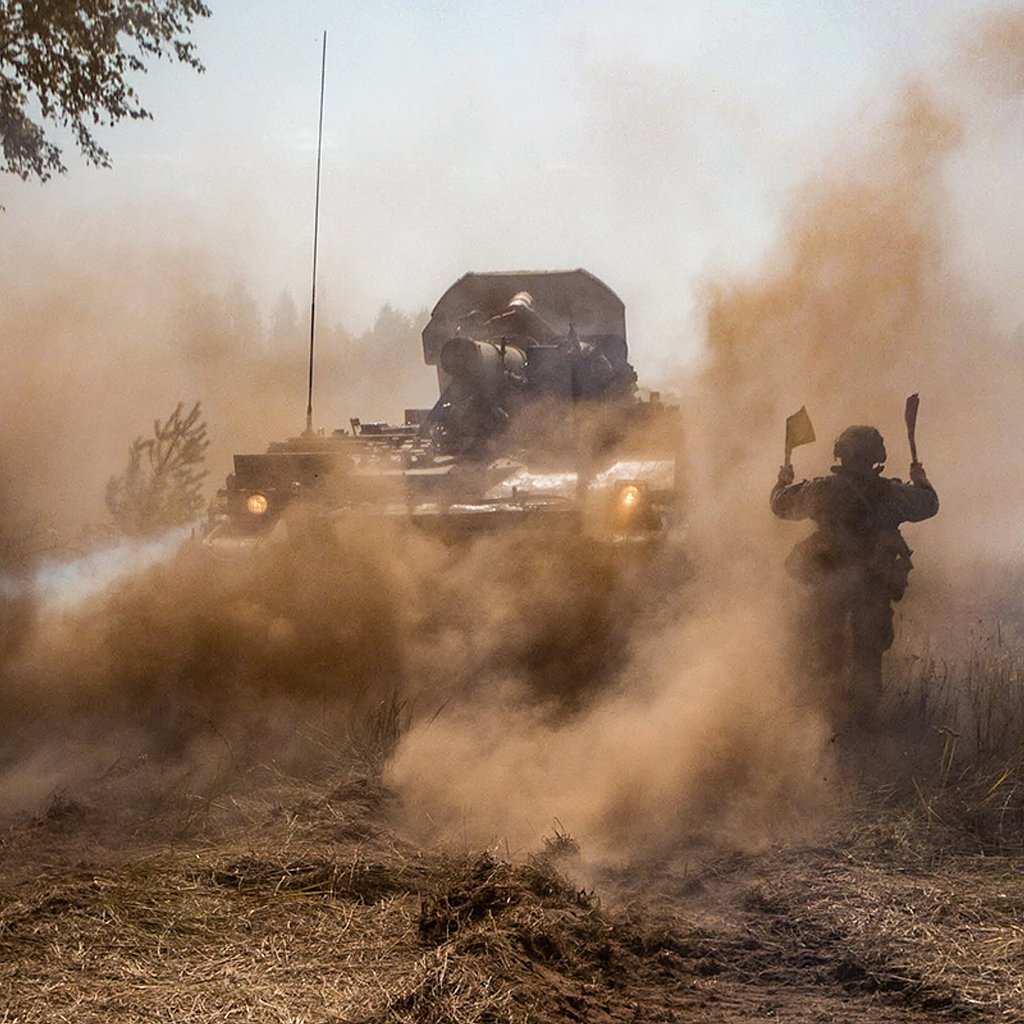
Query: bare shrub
[[161, 486]]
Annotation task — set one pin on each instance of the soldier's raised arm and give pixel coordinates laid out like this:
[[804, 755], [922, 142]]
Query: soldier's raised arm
[[794, 501], [917, 500]]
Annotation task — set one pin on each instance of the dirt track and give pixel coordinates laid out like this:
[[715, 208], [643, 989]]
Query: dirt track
[[297, 902]]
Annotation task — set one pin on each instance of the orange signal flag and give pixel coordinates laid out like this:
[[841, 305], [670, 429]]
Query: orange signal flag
[[799, 430]]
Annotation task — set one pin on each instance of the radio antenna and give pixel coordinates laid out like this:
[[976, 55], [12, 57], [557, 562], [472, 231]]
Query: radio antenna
[[316, 234]]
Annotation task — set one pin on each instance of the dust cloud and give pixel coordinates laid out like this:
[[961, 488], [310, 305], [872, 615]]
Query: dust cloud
[[96, 348], [244, 662], [864, 300], [537, 682]]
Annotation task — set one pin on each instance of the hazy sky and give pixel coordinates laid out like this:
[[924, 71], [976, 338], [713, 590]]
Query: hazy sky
[[654, 143]]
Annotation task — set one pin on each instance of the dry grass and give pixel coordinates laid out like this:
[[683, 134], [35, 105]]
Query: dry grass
[[292, 900], [960, 724], [857, 921], [284, 905], [266, 912], [947, 940]]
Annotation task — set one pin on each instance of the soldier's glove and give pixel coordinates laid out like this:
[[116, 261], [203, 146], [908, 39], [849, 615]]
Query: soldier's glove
[[786, 475], [917, 474]]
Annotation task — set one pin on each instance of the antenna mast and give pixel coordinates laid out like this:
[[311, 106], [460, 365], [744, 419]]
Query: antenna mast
[[316, 233]]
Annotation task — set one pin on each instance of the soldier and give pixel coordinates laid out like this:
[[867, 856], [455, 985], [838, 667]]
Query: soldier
[[856, 564]]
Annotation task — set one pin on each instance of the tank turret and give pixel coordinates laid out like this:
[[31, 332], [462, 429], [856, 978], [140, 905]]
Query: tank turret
[[497, 352]]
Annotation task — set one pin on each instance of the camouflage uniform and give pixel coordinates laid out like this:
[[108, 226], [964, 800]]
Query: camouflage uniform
[[856, 565]]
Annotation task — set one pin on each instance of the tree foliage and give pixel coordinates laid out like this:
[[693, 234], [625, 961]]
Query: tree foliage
[[69, 63], [161, 486]]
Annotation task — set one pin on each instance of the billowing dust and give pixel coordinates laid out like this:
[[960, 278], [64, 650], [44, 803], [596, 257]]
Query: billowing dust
[[535, 683]]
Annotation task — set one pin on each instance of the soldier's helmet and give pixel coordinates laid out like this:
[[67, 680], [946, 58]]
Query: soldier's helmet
[[860, 446]]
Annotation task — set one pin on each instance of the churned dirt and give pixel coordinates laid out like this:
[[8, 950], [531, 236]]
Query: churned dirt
[[295, 899]]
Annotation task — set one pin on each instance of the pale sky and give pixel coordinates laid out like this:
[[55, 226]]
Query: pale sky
[[654, 143]]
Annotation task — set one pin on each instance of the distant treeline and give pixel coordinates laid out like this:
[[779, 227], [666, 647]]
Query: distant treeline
[[382, 366]]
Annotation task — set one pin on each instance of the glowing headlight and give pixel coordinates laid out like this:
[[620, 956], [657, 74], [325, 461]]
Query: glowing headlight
[[629, 497], [256, 504]]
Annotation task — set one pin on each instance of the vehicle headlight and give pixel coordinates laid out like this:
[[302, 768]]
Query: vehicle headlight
[[629, 497], [256, 504]]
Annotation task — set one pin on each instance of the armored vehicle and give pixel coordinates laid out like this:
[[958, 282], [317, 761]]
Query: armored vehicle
[[538, 420]]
